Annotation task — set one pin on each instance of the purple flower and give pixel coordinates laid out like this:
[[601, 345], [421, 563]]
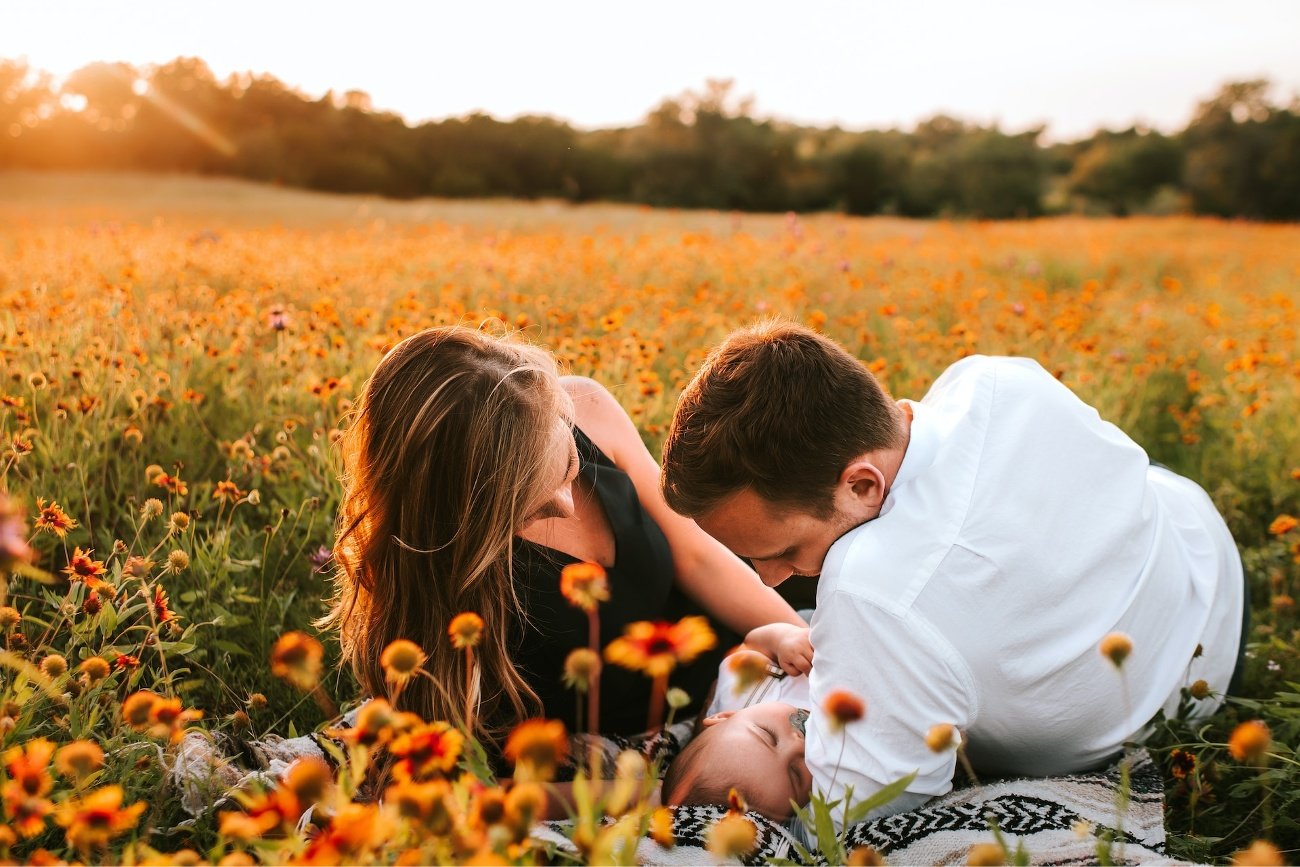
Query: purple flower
[[320, 559]]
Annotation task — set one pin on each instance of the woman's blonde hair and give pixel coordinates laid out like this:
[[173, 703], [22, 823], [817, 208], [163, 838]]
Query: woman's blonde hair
[[447, 455]]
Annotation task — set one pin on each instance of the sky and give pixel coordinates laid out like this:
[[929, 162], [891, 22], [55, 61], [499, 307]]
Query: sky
[[857, 63]]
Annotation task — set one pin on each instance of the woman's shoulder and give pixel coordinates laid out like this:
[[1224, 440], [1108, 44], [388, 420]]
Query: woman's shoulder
[[598, 414]]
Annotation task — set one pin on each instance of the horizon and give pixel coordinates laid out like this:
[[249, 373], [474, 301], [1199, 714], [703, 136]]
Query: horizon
[[1104, 77]]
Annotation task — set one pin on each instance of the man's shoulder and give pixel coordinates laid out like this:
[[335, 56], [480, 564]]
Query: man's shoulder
[[993, 367]]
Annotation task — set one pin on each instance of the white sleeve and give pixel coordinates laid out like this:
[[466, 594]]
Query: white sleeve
[[910, 679]]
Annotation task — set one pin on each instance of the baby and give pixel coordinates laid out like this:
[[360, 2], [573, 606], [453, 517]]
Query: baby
[[752, 740]]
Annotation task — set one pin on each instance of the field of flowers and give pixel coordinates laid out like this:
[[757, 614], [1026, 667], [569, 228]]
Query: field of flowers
[[177, 358]]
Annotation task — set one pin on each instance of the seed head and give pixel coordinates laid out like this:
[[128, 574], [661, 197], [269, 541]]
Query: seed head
[[941, 737], [1116, 647], [843, 707]]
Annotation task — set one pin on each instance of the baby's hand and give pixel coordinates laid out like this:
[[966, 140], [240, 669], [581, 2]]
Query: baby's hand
[[787, 645]]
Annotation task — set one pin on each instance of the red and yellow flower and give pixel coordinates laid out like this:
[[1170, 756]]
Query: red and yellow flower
[[657, 648]]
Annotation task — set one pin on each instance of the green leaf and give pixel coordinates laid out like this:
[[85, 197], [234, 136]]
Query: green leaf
[[230, 647], [859, 811]]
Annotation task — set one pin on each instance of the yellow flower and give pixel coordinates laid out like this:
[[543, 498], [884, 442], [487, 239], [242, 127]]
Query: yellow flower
[[1250, 741], [581, 667], [1116, 647], [536, 747], [940, 737], [401, 660], [584, 585], [732, 837], [661, 827], [91, 822], [298, 658], [1261, 853], [95, 669], [657, 648], [465, 630], [79, 760], [749, 667], [426, 751], [986, 855]]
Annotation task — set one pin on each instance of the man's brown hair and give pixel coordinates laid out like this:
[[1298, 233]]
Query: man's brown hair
[[779, 409]]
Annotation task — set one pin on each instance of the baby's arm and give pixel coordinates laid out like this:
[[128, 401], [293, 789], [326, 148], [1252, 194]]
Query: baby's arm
[[787, 645]]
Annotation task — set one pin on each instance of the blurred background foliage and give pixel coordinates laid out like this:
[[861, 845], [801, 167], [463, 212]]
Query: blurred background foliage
[[1239, 155]]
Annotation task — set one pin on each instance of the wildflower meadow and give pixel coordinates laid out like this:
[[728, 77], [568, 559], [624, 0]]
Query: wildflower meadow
[[178, 358]]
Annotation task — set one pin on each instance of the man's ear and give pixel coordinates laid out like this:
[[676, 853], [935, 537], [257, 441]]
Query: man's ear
[[716, 718], [864, 482]]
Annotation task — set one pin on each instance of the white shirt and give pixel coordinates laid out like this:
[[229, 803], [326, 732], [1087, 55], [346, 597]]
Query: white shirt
[[1020, 530]]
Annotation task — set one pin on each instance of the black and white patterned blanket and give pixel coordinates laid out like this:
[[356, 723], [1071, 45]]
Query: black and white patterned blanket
[[1058, 820]]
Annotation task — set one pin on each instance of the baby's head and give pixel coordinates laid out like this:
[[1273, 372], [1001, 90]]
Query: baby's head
[[758, 751]]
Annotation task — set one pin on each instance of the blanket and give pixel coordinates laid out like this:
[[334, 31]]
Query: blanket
[[1058, 820]]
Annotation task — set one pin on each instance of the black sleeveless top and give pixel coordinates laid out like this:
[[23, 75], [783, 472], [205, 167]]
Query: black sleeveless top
[[641, 588]]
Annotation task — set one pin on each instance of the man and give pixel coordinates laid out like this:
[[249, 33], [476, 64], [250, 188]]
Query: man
[[973, 550]]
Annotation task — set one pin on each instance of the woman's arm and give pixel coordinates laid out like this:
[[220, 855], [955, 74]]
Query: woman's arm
[[711, 575]]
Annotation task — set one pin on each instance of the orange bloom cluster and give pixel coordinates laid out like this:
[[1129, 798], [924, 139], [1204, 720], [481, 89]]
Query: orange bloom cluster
[[657, 648]]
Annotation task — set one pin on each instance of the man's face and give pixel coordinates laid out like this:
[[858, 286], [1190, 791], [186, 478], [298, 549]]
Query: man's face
[[779, 541]]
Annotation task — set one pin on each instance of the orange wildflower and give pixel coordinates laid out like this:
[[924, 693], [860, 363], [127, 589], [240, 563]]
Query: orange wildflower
[[227, 491], [749, 668], [661, 827], [83, 567], [1283, 524], [465, 630], [733, 836], [298, 658], [374, 724], [986, 855], [657, 648], [401, 660], [1261, 853], [167, 718], [428, 803], [28, 770], [161, 605], [91, 822], [126, 661], [1250, 741], [53, 519], [581, 667], [95, 669], [26, 814], [584, 585], [173, 484], [427, 751], [1181, 763], [1116, 647], [137, 709], [309, 780], [78, 760], [536, 747], [843, 707], [940, 737]]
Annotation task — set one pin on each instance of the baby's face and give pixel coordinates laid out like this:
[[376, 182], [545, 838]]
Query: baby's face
[[759, 751]]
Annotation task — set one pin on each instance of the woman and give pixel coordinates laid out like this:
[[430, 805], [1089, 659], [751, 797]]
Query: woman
[[474, 473]]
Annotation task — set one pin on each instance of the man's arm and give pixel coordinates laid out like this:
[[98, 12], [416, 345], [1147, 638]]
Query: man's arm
[[910, 679]]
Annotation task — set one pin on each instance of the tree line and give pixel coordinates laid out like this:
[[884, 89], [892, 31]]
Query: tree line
[[1239, 155]]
